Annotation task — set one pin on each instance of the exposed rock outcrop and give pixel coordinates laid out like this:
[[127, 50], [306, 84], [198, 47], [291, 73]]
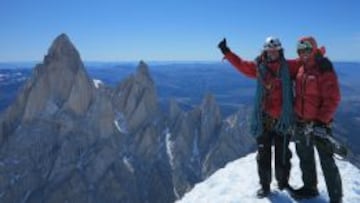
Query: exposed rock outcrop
[[64, 139]]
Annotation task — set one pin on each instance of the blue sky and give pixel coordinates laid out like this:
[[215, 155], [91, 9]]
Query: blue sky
[[132, 30]]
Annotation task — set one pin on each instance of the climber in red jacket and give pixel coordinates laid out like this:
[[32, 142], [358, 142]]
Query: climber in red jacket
[[273, 110], [317, 97]]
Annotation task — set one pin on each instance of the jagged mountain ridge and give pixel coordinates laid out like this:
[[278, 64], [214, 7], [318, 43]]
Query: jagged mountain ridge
[[64, 139]]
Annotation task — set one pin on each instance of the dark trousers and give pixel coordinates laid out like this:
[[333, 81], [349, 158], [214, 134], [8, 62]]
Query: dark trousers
[[282, 158], [305, 151]]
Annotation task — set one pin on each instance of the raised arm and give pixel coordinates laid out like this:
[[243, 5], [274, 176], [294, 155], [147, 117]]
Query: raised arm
[[248, 68]]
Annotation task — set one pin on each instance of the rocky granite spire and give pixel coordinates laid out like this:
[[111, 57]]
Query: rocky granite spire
[[210, 122], [60, 83], [136, 97], [62, 48], [63, 140]]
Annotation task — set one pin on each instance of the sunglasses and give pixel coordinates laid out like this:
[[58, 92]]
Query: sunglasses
[[304, 51], [304, 47]]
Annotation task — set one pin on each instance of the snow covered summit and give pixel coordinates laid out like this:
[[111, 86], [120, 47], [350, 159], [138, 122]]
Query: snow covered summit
[[238, 181]]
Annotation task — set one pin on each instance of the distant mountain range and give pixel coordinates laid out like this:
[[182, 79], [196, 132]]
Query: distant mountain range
[[69, 137], [186, 82]]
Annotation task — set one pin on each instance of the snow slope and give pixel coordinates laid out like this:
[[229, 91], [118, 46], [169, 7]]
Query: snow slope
[[238, 182]]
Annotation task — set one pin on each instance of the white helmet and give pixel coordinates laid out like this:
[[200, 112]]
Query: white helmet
[[272, 43]]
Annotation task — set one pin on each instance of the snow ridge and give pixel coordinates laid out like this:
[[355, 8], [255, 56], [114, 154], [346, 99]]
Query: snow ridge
[[238, 181]]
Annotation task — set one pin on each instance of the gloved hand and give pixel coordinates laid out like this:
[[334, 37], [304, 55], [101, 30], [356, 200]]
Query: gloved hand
[[223, 46]]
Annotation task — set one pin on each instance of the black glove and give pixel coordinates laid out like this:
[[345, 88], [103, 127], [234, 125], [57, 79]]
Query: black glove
[[223, 47]]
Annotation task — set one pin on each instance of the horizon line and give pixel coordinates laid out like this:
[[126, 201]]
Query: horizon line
[[149, 61]]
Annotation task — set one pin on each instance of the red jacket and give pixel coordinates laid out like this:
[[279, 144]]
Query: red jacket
[[273, 99], [317, 94]]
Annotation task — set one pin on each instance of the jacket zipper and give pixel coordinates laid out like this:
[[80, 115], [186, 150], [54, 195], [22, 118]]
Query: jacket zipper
[[303, 93]]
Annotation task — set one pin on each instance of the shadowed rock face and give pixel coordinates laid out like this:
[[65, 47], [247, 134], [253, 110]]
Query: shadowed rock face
[[60, 83], [64, 139], [136, 98]]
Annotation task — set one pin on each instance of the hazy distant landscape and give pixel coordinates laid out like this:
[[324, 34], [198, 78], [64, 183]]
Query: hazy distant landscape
[[185, 82], [188, 83]]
